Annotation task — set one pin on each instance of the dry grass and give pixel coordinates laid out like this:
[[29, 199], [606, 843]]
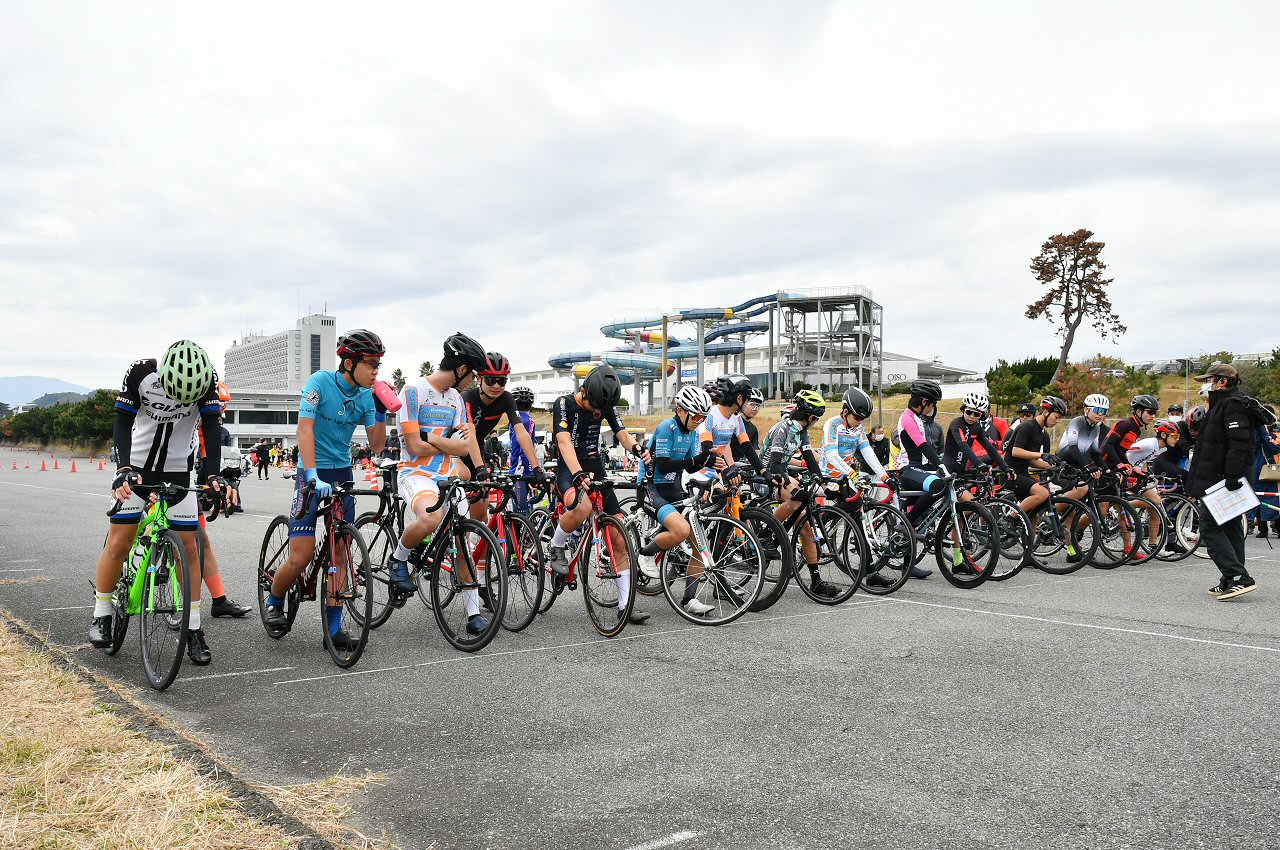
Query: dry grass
[[318, 805], [72, 775], [31, 580]]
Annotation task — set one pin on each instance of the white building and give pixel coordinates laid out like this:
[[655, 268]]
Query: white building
[[284, 361]]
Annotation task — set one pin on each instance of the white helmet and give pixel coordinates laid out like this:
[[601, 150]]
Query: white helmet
[[1097, 400], [694, 400], [976, 401]]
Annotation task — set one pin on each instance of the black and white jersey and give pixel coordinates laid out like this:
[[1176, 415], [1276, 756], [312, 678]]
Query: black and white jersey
[[163, 429]]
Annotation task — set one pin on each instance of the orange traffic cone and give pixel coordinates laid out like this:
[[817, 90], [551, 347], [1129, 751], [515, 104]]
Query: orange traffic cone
[[100, 466], [15, 464], [28, 466], [43, 468], [55, 463], [73, 465]]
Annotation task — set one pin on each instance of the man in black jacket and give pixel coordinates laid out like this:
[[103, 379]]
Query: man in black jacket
[[1224, 449]]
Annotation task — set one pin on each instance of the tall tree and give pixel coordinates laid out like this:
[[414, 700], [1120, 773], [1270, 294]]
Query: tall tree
[[397, 379], [1071, 265], [425, 368]]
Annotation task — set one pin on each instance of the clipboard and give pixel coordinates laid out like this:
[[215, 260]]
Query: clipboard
[[1226, 504]]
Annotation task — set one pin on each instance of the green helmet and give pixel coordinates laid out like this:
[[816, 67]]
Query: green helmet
[[810, 403], [185, 372]]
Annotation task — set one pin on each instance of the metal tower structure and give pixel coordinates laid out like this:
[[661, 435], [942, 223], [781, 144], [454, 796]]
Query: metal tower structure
[[833, 337]]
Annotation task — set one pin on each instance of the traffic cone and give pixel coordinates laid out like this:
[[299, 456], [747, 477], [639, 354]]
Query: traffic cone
[[73, 465], [55, 463], [100, 466], [43, 468], [28, 466], [15, 464]]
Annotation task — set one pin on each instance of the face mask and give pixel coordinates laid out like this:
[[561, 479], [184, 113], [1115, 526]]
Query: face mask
[[1206, 388]]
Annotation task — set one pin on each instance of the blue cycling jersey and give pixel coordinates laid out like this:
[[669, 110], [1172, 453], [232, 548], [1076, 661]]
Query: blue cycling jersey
[[337, 408], [519, 461], [672, 441]]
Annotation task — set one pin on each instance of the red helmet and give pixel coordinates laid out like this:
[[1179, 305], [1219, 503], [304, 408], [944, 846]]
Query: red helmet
[[1197, 416], [495, 364], [1164, 428]]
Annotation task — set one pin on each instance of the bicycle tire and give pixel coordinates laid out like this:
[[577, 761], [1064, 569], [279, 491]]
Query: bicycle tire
[[349, 584], [527, 575], [552, 584], [776, 548], [891, 547], [1017, 538], [599, 578], [1051, 529], [275, 552], [838, 543], [979, 546], [380, 541], [734, 581], [1184, 522], [647, 575], [164, 591], [1112, 520], [448, 589], [1147, 511]]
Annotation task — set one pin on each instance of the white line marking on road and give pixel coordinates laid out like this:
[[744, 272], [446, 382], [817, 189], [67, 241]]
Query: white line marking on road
[[227, 675], [104, 496], [480, 657], [68, 608], [25, 570], [673, 838], [24, 561], [1084, 625]]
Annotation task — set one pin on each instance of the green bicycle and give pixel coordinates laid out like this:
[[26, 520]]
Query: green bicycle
[[153, 587]]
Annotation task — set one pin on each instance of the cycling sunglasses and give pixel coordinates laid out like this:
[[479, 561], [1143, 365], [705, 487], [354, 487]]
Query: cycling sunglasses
[[1101, 411], [972, 412], [495, 380]]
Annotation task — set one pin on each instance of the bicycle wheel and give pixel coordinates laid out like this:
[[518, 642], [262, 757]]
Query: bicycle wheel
[[841, 552], [345, 579], [891, 545], [731, 579], [527, 574], [972, 560], [120, 610], [1184, 521], [647, 576], [164, 593], [1152, 530], [274, 553], [1117, 527], [380, 542], [778, 555], [456, 581], [552, 585], [603, 571], [1065, 523], [1017, 538]]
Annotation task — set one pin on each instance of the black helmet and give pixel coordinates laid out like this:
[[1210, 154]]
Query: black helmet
[[360, 343], [858, 402], [1053, 404], [1197, 416], [602, 388], [1145, 402], [925, 389], [465, 350], [1175, 408], [522, 395], [729, 388]]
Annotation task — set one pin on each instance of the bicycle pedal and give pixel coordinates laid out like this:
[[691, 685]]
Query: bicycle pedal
[[573, 585]]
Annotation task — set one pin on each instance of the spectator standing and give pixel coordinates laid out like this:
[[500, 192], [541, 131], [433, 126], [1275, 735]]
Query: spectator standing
[[1224, 450], [880, 445], [264, 459], [1268, 512]]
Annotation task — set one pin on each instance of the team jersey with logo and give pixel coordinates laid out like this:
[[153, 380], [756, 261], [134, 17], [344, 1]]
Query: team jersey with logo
[[485, 415], [520, 463], [583, 427], [337, 408], [725, 431], [672, 442], [163, 429], [1123, 435], [842, 445], [427, 411], [783, 441], [1143, 452]]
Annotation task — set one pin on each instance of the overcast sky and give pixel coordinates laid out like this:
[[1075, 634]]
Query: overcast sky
[[526, 172]]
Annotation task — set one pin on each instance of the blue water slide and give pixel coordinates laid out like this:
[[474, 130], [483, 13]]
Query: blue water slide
[[733, 328]]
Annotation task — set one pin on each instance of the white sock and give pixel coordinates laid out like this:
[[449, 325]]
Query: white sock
[[559, 536], [402, 551], [102, 606], [624, 588], [195, 614], [471, 598]]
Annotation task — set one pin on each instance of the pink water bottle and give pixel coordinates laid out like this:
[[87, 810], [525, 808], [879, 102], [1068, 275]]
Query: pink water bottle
[[387, 395]]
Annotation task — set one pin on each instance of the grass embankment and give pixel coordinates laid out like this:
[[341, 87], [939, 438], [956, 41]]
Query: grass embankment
[[74, 774]]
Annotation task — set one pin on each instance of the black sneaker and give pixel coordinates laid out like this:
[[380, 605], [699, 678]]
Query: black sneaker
[[1238, 586], [228, 607], [558, 561], [100, 631], [276, 618], [197, 649], [1074, 558], [638, 618], [344, 642], [877, 580], [477, 625], [823, 588], [919, 572]]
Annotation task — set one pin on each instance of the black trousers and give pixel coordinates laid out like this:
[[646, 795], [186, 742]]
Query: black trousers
[[1225, 544]]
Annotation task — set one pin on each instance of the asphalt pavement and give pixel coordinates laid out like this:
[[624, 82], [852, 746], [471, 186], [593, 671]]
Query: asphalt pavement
[[1104, 709]]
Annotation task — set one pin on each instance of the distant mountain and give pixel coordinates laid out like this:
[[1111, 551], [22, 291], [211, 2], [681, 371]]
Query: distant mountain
[[21, 389], [50, 399]]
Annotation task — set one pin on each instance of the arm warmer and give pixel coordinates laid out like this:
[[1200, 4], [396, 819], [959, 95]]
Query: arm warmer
[[212, 460], [122, 435], [753, 456]]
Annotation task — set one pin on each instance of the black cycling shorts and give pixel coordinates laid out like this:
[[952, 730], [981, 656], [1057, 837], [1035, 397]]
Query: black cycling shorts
[[564, 482], [1022, 484]]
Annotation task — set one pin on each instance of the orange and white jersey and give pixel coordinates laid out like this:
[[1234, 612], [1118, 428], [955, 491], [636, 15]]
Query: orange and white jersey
[[427, 411]]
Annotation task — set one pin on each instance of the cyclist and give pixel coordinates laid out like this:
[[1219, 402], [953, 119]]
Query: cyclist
[[1081, 443], [486, 403], [575, 426], [680, 444], [923, 463], [434, 433], [222, 606], [1027, 449], [1145, 455], [726, 425], [332, 405], [1128, 431], [749, 411], [789, 436], [159, 406], [1180, 453], [844, 441], [523, 463]]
